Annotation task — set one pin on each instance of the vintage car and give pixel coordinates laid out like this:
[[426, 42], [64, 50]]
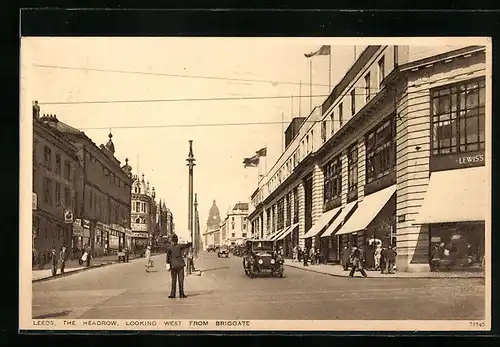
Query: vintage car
[[211, 248], [223, 251], [261, 258]]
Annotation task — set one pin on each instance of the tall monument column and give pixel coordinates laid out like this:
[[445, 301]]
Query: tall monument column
[[196, 246], [191, 165]]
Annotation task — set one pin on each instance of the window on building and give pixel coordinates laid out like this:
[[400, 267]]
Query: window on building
[[268, 219], [332, 180], [381, 150], [232, 219], [233, 234], [323, 131], [137, 206], [58, 164], [109, 211], [138, 220], [368, 86], [288, 209], [47, 158], [341, 114], [312, 140], [458, 118], [352, 167], [143, 207], [353, 102], [295, 205], [381, 70], [91, 199], [47, 191], [280, 214], [332, 124], [117, 217], [58, 194], [244, 235], [67, 170], [244, 226], [67, 197]]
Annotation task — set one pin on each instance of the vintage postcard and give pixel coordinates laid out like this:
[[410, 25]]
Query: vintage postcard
[[257, 184]]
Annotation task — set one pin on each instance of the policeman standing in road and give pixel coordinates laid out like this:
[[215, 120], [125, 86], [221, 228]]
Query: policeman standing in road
[[175, 264]]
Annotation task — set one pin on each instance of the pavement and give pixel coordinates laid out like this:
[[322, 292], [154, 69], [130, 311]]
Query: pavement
[[126, 291], [338, 271], [73, 266]]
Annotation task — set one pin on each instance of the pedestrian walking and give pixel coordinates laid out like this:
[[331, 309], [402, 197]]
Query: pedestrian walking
[[63, 256], [312, 255], [345, 258], [53, 262], [175, 264], [189, 260], [85, 258], [383, 260], [147, 255], [304, 256], [295, 254], [357, 260], [390, 260], [376, 256]]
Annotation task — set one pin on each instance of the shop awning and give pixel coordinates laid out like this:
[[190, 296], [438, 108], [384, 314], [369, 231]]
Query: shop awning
[[367, 211], [273, 234], [278, 234], [287, 232], [455, 196], [322, 222], [340, 219]]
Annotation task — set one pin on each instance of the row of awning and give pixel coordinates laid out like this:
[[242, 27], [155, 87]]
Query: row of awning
[[452, 196]]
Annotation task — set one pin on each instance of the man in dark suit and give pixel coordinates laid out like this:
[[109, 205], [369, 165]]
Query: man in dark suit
[[175, 264]]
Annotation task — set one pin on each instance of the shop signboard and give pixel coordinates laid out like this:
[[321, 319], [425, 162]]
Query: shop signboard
[[139, 227], [457, 160], [140, 235], [86, 224], [77, 228]]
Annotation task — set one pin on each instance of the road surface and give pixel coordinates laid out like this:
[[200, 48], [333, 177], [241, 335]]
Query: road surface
[[126, 291]]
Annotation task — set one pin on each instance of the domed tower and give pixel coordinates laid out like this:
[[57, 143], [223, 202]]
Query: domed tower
[[142, 212], [213, 221], [110, 146], [127, 168]]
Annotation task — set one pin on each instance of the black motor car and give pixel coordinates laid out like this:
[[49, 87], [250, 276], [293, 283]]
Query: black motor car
[[222, 252], [261, 258]]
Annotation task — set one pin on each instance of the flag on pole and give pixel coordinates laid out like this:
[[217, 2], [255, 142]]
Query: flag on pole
[[324, 50], [251, 162], [262, 152]]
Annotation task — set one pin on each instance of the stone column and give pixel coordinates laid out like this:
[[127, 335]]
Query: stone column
[[361, 169], [302, 214], [317, 196]]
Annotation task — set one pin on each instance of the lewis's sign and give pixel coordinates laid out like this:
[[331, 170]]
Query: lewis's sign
[[470, 159], [457, 161]]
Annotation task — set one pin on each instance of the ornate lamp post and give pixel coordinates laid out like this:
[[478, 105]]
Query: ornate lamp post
[[191, 165]]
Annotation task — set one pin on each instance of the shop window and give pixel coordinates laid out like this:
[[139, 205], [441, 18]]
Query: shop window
[[457, 245], [47, 158], [58, 194], [352, 167], [58, 164], [381, 151], [332, 180], [458, 116], [288, 210]]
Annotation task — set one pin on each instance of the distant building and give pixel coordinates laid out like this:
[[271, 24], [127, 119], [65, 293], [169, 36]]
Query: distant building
[[143, 214], [164, 223], [212, 232], [235, 225]]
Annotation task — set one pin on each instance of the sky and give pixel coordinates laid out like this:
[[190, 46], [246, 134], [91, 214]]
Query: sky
[[154, 136]]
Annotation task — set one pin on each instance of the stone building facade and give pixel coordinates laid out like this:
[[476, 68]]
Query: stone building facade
[[368, 165]]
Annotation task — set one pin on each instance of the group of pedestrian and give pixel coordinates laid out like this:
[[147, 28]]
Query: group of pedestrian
[[56, 260], [384, 260], [308, 255]]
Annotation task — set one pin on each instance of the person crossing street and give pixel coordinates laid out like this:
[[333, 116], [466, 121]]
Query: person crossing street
[[149, 261]]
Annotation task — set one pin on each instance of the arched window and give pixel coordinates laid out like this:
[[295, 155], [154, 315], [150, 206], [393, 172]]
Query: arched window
[[137, 220]]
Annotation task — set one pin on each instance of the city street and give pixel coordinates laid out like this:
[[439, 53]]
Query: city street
[[126, 291]]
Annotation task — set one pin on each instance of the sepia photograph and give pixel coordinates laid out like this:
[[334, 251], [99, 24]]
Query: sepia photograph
[[189, 183]]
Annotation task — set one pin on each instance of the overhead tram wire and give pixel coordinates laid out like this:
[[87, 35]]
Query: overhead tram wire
[[170, 75]]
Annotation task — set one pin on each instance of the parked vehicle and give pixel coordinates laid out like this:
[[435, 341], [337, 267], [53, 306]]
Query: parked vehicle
[[211, 248], [261, 258]]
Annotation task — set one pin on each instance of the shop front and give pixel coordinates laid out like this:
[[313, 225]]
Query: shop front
[[99, 239], [371, 224], [455, 208], [86, 233], [331, 237]]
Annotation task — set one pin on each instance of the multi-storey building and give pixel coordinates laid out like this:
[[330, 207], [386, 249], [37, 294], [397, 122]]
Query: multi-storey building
[[236, 224], [55, 168], [102, 193], [395, 154], [143, 214], [164, 223]]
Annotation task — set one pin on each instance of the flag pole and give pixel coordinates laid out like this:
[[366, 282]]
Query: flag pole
[[310, 85], [300, 98], [330, 72]]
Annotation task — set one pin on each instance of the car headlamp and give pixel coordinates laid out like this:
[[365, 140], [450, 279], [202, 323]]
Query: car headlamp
[[260, 261], [272, 261]]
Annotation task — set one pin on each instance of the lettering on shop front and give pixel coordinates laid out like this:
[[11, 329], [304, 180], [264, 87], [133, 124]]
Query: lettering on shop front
[[471, 159]]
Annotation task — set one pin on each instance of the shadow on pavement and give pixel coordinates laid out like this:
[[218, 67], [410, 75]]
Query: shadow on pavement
[[214, 269], [199, 293], [53, 315]]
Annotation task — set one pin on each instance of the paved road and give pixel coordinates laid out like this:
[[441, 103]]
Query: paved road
[[126, 291]]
